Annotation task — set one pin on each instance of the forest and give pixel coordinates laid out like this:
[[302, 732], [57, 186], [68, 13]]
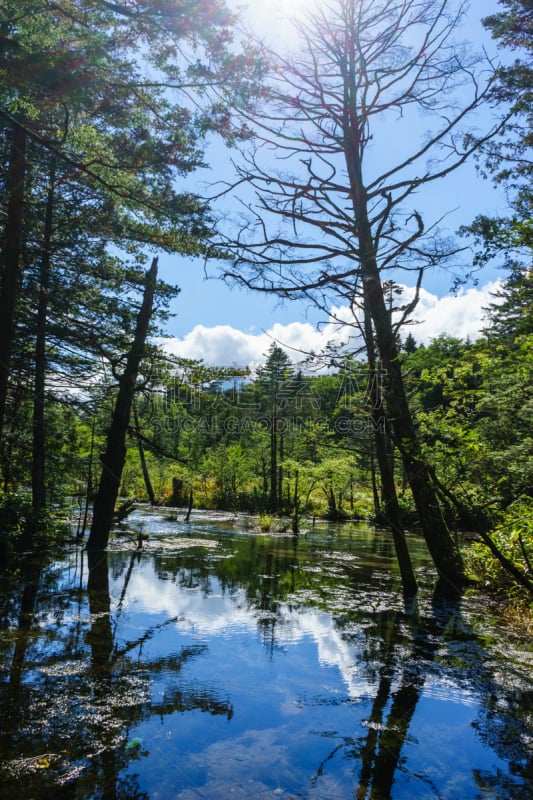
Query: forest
[[106, 112]]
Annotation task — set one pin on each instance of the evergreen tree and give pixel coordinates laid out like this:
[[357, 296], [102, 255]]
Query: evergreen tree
[[274, 385], [511, 316], [507, 158], [100, 130]]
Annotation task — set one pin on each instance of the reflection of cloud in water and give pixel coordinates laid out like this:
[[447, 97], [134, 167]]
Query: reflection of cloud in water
[[247, 756], [208, 615], [224, 614], [333, 650]]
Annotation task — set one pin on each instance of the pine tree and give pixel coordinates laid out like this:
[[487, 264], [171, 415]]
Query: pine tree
[[274, 386], [507, 158], [101, 130]]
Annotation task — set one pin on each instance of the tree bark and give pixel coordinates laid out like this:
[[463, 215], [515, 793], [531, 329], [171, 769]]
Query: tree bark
[[115, 455], [441, 544], [11, 260], [391, 508], [38, 477]]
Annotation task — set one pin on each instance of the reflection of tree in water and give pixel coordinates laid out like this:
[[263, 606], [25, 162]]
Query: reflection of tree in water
[[74, 691], [67, 731], [401, 648], [408, 646], [502, 726], [381, 750]]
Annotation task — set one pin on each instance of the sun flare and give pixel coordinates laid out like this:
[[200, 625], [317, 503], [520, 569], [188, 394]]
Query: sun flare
[[272, 18]]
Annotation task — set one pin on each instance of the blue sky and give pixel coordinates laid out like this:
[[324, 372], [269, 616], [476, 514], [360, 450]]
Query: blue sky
[[226, 325]]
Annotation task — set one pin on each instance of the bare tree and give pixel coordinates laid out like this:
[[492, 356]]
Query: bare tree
[[335, 212]]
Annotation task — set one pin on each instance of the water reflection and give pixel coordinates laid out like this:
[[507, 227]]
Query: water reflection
[[219, 662]]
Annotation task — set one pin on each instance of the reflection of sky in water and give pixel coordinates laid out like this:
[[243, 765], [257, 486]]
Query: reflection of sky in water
[[228, 615], [302, 704], [301, 709], [259, 691]]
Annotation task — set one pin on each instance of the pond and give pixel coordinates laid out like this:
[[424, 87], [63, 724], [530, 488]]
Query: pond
[[220, 662]]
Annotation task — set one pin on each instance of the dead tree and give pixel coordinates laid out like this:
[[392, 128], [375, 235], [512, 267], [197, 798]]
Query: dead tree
[[334, 213]]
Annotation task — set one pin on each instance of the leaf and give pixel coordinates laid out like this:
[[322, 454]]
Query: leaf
[[133, 743]]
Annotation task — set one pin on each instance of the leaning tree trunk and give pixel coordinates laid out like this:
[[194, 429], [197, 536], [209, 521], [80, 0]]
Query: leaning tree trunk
[[441, 544], [115, 454], [10, 280]]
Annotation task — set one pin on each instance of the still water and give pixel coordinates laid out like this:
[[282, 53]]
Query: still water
[[221, 663]]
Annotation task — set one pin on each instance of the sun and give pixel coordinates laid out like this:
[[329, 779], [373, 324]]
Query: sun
[[271, 19]]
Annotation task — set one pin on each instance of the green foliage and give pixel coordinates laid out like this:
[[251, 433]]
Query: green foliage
[[513, 535], [475, 407], [21, 528], [506, 158], [114, 115]]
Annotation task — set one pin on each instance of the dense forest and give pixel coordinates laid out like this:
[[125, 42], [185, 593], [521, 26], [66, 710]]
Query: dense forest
[[107, 110]]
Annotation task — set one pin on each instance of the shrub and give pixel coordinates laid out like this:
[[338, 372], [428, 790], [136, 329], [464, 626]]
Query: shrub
[[513, 535]]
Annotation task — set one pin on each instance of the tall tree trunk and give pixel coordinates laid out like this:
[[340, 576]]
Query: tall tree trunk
[[295, 507], [375, 495], [281, 456], [441, 544], [115, 454], [10, 280], [38, 482], [391, 508], [264, 475], [273, 463]]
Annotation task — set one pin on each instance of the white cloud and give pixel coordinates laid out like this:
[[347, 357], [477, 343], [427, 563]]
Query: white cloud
[[218, 613], [461, 316], [224, 345]]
